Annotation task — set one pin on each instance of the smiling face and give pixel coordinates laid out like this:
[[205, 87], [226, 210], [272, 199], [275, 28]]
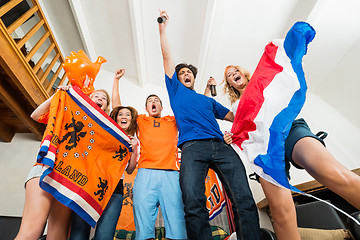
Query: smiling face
[[186, 77], [236, 78], [100, 99], [153, 106], [124, 119]]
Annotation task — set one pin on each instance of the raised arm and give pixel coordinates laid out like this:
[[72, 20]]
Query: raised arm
[[41, 109], [45, 106], [115, 94], [210, 82], [169, 65]]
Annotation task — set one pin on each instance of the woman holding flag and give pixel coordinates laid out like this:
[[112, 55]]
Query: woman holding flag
[[40, 206], [126, 118], [305, 151]]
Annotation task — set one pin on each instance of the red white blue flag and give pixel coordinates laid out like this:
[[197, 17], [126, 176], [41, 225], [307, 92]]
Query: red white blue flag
[[271, 102], [84, 154]]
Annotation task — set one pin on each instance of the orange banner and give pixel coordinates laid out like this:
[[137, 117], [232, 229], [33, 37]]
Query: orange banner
[[126, 220], [84, 153], [214, 194]]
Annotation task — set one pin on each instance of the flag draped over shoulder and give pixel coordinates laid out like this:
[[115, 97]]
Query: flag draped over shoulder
[[84, 153], [271, 102]]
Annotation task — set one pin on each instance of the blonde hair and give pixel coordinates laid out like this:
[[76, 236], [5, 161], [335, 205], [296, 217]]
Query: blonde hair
[[233, 93], [107, 109]]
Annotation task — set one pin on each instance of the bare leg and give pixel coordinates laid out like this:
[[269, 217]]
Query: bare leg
[[36, 211], [59, 221], [310, 154], [282, 210]]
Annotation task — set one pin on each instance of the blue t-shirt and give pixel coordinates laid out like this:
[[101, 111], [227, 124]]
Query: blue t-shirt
[[195, 113]]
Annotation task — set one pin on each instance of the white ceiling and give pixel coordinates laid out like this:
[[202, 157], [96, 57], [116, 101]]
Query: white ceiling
[[212, 34]]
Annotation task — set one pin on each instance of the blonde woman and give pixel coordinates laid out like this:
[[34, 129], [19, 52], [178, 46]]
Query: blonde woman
[[40, 206], [304, 150]]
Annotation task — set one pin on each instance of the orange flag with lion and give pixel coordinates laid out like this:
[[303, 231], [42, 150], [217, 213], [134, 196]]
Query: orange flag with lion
[[84, 153]]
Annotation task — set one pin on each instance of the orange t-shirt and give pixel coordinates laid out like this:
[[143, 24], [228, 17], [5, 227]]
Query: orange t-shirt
[[158, 142]]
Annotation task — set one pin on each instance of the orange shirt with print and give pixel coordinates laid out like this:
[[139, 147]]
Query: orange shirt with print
[[158, 142]]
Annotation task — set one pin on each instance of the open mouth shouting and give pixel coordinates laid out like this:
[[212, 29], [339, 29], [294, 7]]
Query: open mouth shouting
[[237, 78], [123, 123], [153, 107], [99, 104]]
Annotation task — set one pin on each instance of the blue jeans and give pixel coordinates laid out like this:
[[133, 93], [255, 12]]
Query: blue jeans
[[196, 158], [106, 226]]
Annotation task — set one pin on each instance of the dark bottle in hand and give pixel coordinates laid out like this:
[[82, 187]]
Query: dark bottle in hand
[[161, 19], [213, 90]]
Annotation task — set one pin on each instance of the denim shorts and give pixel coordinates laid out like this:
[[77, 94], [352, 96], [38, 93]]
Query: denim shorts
[[34, 172], [299, 130]]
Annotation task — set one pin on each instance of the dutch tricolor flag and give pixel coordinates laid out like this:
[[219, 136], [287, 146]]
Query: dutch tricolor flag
[[271, 102]]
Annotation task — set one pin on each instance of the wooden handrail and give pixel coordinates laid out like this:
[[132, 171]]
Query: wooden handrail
[[51, 65], [22, 19], [35, 58], [62, 79], [44, 57], [52, 81], [20, 71], [37, 46], [42, 16], [8, 6], [30, 33]]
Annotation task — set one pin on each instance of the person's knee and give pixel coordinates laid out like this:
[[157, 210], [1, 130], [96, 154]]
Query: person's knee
[[336, 178], [282, 211], [343, 179]]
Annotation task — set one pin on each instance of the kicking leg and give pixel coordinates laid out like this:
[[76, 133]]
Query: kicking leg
[[310, 154]]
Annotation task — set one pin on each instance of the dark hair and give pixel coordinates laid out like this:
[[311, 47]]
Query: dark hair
[[133, 127], [152, 95], [185, 65]]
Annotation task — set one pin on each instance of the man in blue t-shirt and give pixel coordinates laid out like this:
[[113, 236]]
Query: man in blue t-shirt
[[202, 145]]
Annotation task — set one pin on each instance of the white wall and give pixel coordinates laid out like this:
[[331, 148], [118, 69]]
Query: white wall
[[16, 159], [131, 94]]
